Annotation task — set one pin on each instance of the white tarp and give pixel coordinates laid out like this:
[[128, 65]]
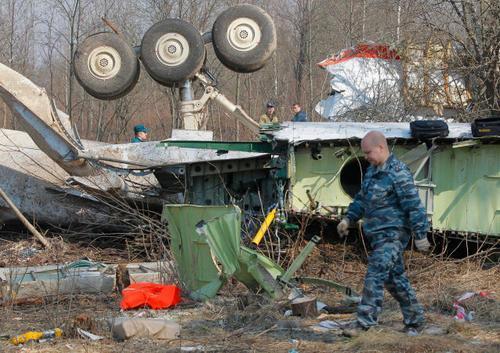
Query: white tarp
[[366, 77], [373, 79]]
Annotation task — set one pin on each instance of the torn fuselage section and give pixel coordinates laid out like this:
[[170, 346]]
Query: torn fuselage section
[[318, 171], [208, 248], [38, 186], [48, 127], [249, 175]]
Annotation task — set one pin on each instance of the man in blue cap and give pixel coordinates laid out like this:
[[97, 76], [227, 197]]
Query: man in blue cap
[[141, 133]]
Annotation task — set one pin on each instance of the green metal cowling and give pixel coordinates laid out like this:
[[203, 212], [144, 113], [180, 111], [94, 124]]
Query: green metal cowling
[[191, 251], [203, 234]]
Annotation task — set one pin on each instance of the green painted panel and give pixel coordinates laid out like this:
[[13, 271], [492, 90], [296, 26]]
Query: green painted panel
[[322, 177], [258, 147], [195, 244], [467, 193], [191, 250]]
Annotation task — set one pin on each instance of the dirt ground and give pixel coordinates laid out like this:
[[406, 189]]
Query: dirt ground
[[236, 321]]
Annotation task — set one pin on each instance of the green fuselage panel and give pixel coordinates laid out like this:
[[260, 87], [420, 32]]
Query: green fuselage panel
[[467, 193], [195, 265], [330, 180]]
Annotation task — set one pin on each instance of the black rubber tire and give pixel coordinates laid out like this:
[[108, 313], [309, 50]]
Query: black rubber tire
[[117, 84], [248, 59], [180, 69]]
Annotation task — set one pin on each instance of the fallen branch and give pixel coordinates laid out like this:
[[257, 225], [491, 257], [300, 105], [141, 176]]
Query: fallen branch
[[266, 331], [23, 219]]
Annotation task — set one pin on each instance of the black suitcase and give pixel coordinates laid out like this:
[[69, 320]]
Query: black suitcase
[[486, 127], [427, 129]]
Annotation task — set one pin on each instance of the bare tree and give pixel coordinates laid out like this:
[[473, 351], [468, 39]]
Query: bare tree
[[473, 29], [17, 42], [308, 31]]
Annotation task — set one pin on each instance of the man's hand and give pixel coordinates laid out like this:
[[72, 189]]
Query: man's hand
[[343, 227], [423, 245]]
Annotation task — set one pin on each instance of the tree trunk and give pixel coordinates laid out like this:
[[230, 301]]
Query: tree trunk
[[304, 307]]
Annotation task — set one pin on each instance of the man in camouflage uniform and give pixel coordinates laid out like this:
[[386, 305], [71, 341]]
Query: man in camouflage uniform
[[270, 115], [389, 203]]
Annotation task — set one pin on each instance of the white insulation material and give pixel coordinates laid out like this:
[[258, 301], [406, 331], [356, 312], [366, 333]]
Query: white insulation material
[[298, 132]]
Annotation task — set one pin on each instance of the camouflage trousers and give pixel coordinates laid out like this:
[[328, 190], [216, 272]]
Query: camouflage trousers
[[386, 269]]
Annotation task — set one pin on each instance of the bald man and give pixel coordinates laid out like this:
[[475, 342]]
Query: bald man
[[389, 203]]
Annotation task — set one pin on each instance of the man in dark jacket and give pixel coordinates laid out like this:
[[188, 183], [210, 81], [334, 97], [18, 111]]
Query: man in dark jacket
[[389, 203], [300, 116]]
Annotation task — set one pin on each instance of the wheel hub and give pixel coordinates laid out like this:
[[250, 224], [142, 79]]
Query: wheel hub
[[172, 49], [244, 34], [104, 62]]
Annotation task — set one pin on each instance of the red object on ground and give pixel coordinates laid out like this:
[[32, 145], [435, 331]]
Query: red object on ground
[[156, 296]]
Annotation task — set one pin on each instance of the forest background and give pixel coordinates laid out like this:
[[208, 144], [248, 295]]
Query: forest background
[[38, 38]]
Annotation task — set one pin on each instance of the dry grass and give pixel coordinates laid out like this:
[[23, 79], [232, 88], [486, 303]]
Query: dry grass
[[442, 282], [391, 341], [438, 282], [30, 253], [238, 322]]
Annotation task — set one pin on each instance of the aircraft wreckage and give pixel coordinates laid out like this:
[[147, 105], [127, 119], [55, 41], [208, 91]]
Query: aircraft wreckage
[[294, 168], [53, 176]]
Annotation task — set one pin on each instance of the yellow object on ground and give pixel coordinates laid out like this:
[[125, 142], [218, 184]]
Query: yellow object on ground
[[263, 228], [35, 336]]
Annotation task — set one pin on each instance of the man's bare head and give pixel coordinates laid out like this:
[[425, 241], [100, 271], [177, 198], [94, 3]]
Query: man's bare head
[[374, 147], [375, 138]]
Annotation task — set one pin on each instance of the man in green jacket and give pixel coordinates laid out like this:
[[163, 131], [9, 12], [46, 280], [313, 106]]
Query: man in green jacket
[[140, 133]]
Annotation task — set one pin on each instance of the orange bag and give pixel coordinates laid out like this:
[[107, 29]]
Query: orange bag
[[156, 296]]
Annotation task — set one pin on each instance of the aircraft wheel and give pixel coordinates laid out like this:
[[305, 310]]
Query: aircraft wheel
[[172, 51], [106, 66], [244, 38]]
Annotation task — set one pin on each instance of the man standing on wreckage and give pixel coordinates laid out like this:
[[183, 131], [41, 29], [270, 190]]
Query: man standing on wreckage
[[389, 203]]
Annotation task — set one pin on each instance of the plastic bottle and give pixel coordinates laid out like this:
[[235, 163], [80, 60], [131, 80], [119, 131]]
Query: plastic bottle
[[295, 347], [36, 336]]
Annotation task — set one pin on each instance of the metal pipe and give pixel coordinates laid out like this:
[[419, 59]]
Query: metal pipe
[[189, 118], [299, 260], [237, 112], [186, 91]]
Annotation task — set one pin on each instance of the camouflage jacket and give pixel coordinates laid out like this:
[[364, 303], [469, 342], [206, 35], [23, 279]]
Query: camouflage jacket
[[265, 119], [389, 202]]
